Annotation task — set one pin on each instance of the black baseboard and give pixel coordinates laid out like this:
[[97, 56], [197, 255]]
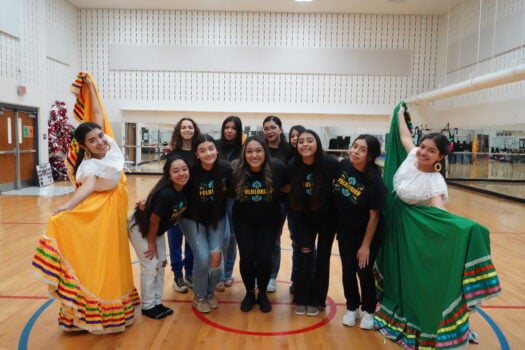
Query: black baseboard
[[487, 192]]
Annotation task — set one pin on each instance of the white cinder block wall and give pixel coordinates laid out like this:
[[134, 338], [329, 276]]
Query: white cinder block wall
[[61, 40], [499, 28], [43, 57]]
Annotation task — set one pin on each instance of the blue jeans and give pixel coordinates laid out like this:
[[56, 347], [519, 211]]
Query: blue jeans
[[175, 244], [229, 250], [204, 239]]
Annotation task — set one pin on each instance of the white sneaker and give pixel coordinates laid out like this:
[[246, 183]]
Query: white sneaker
[[272, 285], [367, 322], [350, 317]]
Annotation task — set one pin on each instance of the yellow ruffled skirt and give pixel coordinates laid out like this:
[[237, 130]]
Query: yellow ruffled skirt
[[85, 260]]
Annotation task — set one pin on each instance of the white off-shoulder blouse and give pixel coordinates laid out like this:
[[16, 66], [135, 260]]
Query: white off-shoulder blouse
[[416, 187], [108, 170]]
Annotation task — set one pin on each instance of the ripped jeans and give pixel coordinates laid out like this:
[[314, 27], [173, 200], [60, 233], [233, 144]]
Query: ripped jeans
[[151, 270], [204, 240]]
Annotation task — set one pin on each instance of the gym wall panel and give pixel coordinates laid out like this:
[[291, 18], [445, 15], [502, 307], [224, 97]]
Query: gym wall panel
[[61, 48], [236, 59], [499, 26], [155, 86], [19, 55]]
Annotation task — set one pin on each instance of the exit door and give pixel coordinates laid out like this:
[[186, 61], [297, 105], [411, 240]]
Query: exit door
[[18, 147], [131, 143]]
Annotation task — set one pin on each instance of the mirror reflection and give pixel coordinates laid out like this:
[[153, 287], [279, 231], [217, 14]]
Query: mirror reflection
[[483, 158]]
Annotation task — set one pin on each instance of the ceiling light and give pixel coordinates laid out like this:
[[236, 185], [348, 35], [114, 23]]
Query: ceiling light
[[303, 0]]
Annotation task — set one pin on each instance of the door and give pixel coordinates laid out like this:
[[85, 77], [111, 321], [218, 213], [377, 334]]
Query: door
[[7, 150], [131, 143], [18, 148], [26, 123]]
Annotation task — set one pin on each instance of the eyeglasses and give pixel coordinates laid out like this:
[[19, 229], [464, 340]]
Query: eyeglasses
[[272, 128]]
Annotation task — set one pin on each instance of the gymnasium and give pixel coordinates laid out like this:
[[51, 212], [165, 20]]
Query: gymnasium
[[338, 67]]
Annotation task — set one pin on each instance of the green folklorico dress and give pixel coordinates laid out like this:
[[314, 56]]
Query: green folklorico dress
[[433, 268]]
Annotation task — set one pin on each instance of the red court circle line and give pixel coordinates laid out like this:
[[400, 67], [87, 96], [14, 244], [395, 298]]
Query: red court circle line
[[328, 318]]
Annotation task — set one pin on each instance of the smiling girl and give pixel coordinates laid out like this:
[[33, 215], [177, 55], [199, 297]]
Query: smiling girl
[[434, 266], [229, 147], [182, 142], [204, 222], [257, 217], [313, 173], [84, 255], [164, 206], [360, 198]]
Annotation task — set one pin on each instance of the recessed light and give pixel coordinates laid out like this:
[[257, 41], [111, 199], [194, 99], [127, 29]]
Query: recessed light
[[303, 0]]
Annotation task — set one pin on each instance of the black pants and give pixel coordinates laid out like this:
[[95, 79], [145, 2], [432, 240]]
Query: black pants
[[349, 243], [314, 243], [255, 242]]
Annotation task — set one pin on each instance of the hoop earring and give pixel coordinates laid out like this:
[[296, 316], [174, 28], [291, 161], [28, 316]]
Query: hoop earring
[[87, 154], [437, 166]]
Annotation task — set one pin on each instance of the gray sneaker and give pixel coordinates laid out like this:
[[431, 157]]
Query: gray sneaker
[[272, 286], [312, 310], [212, 301], [201, 304], [300, 310]]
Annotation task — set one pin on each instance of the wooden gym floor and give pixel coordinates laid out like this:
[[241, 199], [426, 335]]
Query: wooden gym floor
[[28, 316]]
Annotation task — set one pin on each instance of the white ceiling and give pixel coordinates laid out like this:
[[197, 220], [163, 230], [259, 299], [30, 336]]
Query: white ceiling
[[421, 7]]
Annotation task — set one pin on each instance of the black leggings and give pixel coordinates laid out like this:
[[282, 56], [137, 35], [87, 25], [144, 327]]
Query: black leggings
[[256, 242], [349, 243]]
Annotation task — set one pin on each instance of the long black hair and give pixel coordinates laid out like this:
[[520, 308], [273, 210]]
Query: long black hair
[[299, 129], [238, 126], [441, 142], [276, 120], [298, 197], [142, 217], [176, 140], [218, 187], [80, 135], [242, 170], [230, 150], [373, 151]]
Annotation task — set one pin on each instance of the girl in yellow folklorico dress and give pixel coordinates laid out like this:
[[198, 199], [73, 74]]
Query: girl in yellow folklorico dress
[[84, 255]]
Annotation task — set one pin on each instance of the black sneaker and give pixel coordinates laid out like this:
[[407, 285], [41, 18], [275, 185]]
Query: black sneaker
[[189, 281], [155, 313], [264, 303], [165, 309], [179, 285], [248, 301]]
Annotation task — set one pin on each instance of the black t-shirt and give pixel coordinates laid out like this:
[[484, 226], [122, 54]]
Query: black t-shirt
[[188, 156], [284, 152], [202, 191], [331, 172], [169, 205], [228, 151], [257, 205], [355, 196]]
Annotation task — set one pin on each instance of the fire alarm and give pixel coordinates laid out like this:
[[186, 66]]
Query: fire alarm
[[21, 90]]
